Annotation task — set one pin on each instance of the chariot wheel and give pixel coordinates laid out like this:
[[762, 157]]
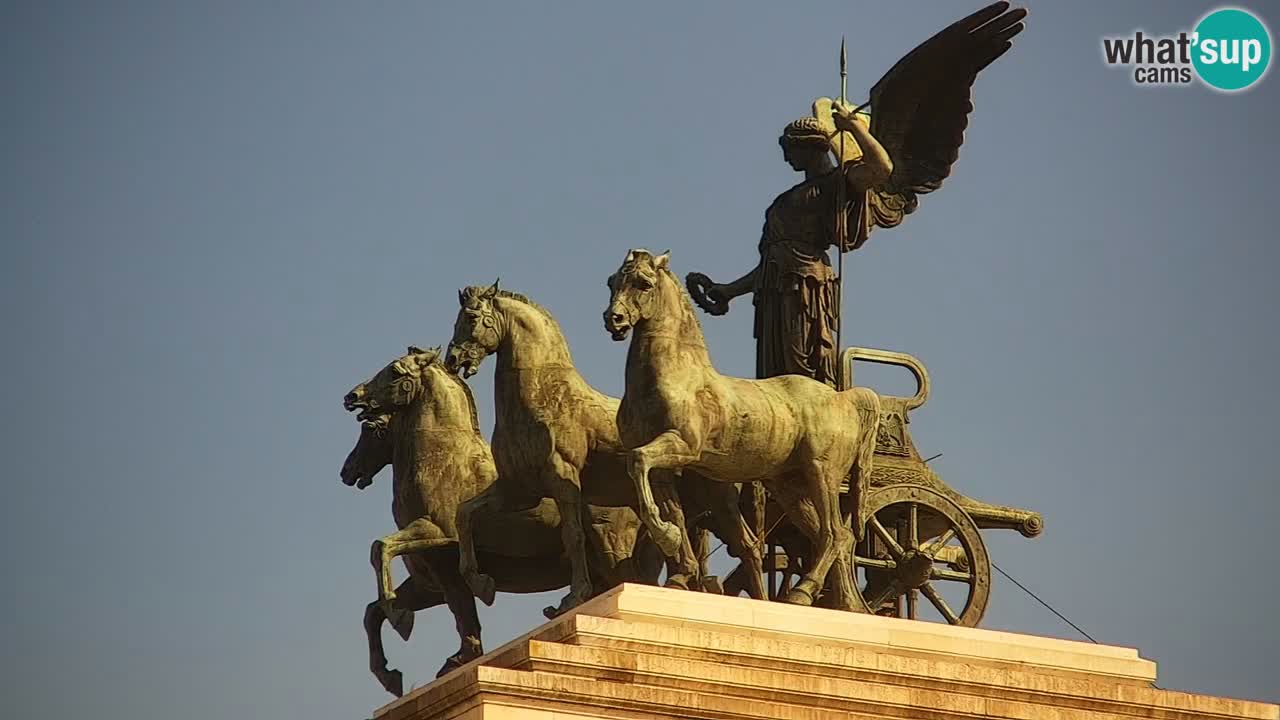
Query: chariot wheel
[[918, 542]]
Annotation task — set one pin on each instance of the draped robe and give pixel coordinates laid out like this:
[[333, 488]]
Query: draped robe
[[795, 287]]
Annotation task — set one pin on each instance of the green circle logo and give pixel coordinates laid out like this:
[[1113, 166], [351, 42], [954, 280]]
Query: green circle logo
[[1232, 49]]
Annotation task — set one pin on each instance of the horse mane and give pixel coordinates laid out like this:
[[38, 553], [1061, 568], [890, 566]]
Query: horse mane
[[525, 299], [471, 400], [475, 291], [687, 305], [437, 361]]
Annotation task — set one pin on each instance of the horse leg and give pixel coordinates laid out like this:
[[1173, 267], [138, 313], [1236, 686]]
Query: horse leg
[[793, 569], [668, 451], [463, 606], [845, 592], [845, 595], [412, 595], [417, 536], [490, 500], [802, 512], [827, 542], [562, 481], [700, 542], [736, 581], [686, 566], [832, 542], [726, 515]]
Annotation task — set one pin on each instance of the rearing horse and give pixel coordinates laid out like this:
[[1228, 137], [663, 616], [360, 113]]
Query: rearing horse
[[420, 418], [798, 436]]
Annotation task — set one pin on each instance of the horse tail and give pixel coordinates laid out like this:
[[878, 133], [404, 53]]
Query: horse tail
[[867, 403]]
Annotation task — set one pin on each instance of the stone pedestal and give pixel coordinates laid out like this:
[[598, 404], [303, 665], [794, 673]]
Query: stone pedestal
[[640, 652]]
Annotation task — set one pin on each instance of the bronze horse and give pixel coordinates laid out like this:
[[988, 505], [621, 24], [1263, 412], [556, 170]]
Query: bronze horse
[[556, 436], [420, 418], [798, 436]]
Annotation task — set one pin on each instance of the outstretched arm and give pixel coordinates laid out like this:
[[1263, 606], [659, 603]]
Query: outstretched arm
[[713, 297], [741, 286], [875, 167]]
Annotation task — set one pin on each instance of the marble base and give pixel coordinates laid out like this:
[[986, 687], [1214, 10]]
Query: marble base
[[645, 652]]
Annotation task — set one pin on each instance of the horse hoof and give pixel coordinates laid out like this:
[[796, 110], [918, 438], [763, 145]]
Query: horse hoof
[[570, 601], [402, 622], [676, 582], [798, 596], [482, 586], [453, 662], [393, 682]]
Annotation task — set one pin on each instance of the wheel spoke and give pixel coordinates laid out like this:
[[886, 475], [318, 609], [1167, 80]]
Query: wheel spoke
[[886, 592], [913, 526], [938, 573], [940, 604], [876, 563], [913, 597], [938, 544], [894, 548]]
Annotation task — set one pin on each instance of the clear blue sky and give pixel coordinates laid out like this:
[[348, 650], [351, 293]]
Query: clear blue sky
[[217, 217]]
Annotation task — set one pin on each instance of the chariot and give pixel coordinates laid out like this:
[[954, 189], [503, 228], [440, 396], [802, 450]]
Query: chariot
[[919, 536]]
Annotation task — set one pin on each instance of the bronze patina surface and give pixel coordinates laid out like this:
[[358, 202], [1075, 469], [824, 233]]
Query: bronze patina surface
[[905, 149], [797, 436], [420, 418], [584, 490], [556, 436]]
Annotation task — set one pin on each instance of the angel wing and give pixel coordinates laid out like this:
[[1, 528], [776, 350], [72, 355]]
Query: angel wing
[[920, 108]]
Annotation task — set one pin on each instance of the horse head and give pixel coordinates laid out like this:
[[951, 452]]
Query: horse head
[[398, 388], [371, 454], [635, 292], [477, 330]]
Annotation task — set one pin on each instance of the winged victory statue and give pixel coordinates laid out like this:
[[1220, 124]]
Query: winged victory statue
[[904, 148]]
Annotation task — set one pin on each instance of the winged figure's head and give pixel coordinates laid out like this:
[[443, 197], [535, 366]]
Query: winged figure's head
[[807, 143], [806, 130]]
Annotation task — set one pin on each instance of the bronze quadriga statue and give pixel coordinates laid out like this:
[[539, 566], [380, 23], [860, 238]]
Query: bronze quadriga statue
[[583, 490]]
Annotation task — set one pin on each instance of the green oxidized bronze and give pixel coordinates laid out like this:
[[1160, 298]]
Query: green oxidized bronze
[[420, 418], [795, 435], [919, 111], [584, 491], [557, 437], [905, 148]]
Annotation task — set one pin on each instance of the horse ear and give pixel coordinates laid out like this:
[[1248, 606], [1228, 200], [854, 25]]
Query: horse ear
[[631, 256], [662, 260], [462, 297], [493, 289]]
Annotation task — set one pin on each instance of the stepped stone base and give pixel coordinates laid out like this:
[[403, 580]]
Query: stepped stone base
[[641, 652]]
